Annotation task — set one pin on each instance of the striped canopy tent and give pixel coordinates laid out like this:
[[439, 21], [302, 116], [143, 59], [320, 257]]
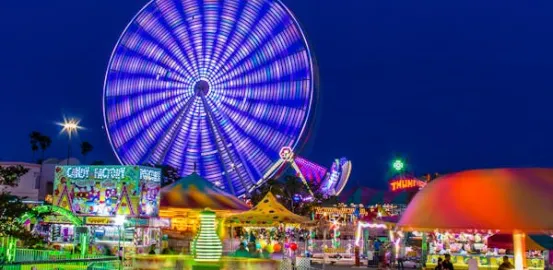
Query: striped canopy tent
[[533, 241], [195, 192], [516, 201], [368, 196], [267, 213]]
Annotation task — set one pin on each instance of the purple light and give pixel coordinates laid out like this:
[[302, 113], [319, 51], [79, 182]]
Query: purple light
[[220, 86], [311, 171]]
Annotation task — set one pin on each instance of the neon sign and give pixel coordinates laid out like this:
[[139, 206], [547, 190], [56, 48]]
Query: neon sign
[[109, 173], [78, 172], [403, 184], [150, 175]]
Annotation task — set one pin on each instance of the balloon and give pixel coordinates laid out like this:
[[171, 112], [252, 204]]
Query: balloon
[[277, 248], [293, 246], [270, 248], [262, 243]]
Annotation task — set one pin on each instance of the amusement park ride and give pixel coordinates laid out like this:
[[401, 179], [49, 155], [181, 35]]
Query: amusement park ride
[[230, 101], [331, 181]]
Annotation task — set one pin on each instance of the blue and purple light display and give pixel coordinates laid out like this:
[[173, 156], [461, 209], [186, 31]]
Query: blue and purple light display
[[212, 86]]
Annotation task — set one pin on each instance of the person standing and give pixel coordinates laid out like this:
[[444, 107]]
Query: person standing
[[447, 265], [506, 265]]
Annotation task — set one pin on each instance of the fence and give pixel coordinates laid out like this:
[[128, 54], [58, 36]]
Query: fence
[[75, 264], [32, 255]]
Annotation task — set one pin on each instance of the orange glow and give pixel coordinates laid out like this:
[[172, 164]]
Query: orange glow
[[491, 199], [519, 240]]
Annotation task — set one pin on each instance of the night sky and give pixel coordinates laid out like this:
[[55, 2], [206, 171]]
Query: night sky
[[448, 85]]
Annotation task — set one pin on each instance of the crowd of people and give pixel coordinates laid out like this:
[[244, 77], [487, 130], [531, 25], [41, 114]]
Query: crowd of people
[[252, 252]]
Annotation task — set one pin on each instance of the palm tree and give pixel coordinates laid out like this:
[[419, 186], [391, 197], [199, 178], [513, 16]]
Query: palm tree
[[86, 148], [35, 137], [44, 142]]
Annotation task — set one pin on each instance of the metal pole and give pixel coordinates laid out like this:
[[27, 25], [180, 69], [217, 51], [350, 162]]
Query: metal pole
[[119, 248], [68, 149]]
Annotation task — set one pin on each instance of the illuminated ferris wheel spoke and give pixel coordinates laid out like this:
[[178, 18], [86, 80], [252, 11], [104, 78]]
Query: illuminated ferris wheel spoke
[[184, 30], [156, 58], [262, 49], [174, 35], [160, 43], [224, 39], [128, 125], [168, 136], [236, 136], [221, 139], [251, 14]]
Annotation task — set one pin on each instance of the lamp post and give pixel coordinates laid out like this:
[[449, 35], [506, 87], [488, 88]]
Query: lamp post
[[120, 223], [69, 126]]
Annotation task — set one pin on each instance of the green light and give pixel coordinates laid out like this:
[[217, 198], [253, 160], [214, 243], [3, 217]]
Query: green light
[[207, 246], [42, 209], [398, 165]]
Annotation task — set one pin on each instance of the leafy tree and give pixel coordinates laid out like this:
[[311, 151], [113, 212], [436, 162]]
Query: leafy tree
[[86, 148], [44, 143], [169, 174], [34, 139], [11, 207]]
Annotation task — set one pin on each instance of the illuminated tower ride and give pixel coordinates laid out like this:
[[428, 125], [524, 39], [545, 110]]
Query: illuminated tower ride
[[216, 87]]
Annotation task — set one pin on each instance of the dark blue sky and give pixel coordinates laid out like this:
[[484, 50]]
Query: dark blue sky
[[449, 85]]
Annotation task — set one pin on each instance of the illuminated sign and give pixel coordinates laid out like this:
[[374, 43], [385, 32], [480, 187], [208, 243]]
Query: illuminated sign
[[100, 221], [77, 172], [107, 191], [133, 222], [56, 219], [109, 173], [403, 184], [150, 175]]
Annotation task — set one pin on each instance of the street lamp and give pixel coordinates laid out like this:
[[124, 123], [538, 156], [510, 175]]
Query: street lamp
[[69, 126], [120, 222]]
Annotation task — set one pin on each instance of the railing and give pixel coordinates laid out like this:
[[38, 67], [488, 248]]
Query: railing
[[74, 264], [32, 255]]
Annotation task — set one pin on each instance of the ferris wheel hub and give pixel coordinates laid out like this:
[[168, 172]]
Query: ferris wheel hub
[[201, 87]]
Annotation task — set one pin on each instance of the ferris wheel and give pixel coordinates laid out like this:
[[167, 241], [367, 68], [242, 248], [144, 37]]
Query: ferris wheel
[[216, 87]]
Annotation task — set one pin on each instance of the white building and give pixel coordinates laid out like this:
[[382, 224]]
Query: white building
[[38, 182], [29, 183], [46, 182]]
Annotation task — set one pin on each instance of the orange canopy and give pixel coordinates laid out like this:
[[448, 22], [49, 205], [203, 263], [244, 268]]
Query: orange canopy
[[495, 199]]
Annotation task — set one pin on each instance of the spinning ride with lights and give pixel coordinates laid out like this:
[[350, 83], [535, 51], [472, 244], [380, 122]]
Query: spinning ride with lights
[[331, 181], [215, 87]]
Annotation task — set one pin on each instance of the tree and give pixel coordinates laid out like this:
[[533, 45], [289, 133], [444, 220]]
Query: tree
[[291, 192], [44, 142], [12, 208], [34, 139], [169, 174], [86, 148]]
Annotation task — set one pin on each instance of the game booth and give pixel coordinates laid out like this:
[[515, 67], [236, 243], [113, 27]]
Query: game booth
[[182, 202], [487, 215], [116, 208]]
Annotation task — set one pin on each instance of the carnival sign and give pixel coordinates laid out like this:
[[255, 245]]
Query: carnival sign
[[404, 184]]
